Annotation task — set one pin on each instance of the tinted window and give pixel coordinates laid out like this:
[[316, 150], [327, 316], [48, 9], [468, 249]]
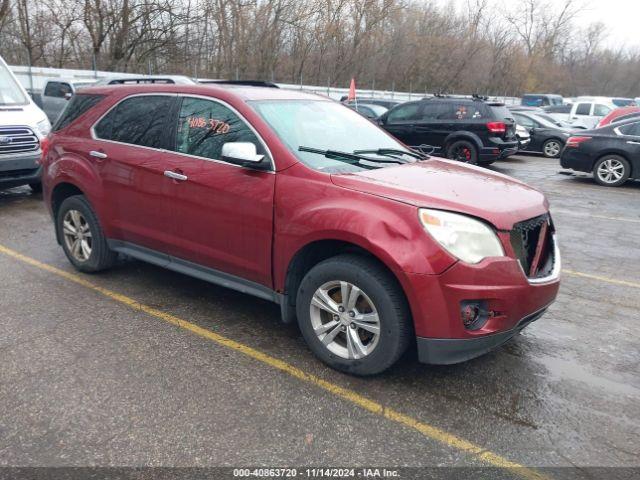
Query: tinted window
[[534, 100], [583, 109], [437, 111], [500, 112], [632, 129], [76, 107], [466, 111], [204, 126], [408, 111], [601, 110], [57, 89], [138, 120]]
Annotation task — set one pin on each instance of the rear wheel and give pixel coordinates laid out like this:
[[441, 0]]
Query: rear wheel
[[82, 238], [463, 151], [353, 315], [552, 148], [611, 171]]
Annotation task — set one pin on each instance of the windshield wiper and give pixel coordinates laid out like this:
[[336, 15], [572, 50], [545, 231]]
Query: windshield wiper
[[346, 156], [393, 152]]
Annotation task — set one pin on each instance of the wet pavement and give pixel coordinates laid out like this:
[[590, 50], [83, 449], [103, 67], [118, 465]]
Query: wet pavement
[[86, 380]]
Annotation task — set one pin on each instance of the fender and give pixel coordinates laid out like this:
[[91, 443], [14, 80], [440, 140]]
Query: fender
[[463, 135], [388, 230], [66, 166]]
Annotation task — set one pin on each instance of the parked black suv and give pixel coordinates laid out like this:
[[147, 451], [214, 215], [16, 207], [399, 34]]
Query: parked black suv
[[471, 130]]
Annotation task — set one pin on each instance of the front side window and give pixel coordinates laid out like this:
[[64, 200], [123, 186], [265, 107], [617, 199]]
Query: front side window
[[403, 113], [204, 126], [583, 109], [141, 120]]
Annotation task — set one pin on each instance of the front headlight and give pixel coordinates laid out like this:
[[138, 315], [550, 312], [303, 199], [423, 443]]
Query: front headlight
[[44, 127], [464, 237]]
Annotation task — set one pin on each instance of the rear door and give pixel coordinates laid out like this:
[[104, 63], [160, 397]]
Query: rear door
[[130, 154], [631, 134], [224, 212]]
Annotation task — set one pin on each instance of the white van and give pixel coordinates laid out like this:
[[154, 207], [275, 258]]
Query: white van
[[23, 126]]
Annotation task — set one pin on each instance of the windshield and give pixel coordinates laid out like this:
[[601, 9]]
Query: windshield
[[323, 125], [10, 92]]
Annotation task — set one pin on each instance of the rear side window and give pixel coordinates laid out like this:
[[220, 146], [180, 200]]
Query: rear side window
[[403, 113], [583, 109], [437, 111], [204, 126], [78, 105], [141, 120], [57, 89], [466, 111]]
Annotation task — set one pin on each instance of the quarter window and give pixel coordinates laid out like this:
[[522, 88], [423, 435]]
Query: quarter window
[[138, 120], [632, 129], [204, 126], [78, 105]]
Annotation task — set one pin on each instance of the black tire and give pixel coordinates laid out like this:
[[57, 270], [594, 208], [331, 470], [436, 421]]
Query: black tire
[[619, 163], [101, 257], [36, 187], [463, 151], [547, 149], [382, 289]]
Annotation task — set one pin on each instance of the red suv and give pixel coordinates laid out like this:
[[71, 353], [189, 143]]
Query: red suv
[[297, 199]]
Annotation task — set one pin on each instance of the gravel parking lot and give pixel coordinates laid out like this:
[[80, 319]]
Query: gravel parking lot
[[121, 368]]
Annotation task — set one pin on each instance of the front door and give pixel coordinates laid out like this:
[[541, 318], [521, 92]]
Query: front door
[[224, 212]]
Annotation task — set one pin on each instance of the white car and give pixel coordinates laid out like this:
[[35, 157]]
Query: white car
[[585, 112], [23, 126], [523, 136]]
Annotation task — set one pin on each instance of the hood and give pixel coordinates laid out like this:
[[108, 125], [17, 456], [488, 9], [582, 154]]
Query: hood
[[21, 115], [453, 186]]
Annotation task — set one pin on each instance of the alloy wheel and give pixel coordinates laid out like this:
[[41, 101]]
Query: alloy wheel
[[462, 154], [345, 320], [77, 235], [610, 171], [552, 149]]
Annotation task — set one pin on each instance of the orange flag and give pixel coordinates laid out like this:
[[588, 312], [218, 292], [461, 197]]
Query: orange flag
[[352, 90]]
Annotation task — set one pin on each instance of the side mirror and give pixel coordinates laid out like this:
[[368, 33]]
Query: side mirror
[[242, 153], [68, 95]]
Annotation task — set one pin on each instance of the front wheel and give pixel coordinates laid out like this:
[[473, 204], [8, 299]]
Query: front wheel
[[611, 171], [353, 315], [463, 151], [551, 148]]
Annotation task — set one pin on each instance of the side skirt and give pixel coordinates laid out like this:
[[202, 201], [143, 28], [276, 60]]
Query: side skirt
[[194, 270]]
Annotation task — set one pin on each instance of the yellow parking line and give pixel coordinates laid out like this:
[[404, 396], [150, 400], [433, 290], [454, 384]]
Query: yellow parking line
[[351, 396], [590, 215], [602, 279]]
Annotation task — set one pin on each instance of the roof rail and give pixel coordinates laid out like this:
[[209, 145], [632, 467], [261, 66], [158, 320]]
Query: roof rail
[[248, 83]]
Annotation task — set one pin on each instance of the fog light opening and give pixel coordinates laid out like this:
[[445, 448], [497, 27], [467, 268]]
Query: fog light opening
[[474, 314]]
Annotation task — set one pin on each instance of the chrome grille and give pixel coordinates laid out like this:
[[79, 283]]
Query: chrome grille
[[18, 140]]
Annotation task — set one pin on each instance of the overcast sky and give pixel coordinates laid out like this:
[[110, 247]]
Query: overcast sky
[[621, 17]]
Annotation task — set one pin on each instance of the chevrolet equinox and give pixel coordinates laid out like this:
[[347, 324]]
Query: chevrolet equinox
[[297, 199]]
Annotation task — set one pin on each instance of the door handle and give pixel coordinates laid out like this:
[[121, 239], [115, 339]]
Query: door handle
[[97, 154], [631, 142], [175, 176]]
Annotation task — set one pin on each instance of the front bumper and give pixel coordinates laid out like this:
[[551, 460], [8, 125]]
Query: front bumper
[[446, 351], [513, 300], [16, 170]]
